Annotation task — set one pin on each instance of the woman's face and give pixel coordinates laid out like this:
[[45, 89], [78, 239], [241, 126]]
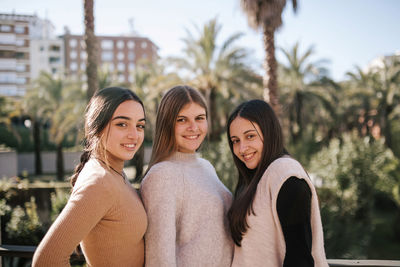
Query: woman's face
[[190, 127], [247, 141], [124, 134]]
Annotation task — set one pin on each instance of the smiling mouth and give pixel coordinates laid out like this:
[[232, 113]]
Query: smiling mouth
[[248, 156], [129, 146], [191, 137]]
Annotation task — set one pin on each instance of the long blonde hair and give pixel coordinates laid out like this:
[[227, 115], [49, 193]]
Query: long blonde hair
[[164, 143]]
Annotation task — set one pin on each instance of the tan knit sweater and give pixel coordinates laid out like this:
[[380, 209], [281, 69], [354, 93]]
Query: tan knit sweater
[[186, 205], [104, 213], [264, 244]]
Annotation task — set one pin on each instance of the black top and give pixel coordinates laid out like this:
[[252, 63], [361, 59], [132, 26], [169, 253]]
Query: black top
[[294, 211]]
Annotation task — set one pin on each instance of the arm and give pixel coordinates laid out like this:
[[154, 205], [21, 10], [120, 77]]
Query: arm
[[294, 210], [85, 208], [160, 193]]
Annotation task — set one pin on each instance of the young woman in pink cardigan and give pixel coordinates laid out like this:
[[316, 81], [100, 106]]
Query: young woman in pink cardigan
[[274, 218]]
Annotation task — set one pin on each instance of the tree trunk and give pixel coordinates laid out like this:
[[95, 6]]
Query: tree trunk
[[60, 162], [37, 147], [270, 80], [215, 122], [91, 49]]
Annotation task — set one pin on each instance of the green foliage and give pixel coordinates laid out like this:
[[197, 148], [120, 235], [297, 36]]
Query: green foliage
[[220, 156], [24, 227], [353, 169], [59, 199]]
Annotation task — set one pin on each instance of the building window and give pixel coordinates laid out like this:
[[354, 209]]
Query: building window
[[20, 80], [73, 66], [131, 66], [144, 45], [107, 44], [121, 66], [120, 44], [19, 29], [107, 56], [83, 44], [121, 78], [54, 48], [5, 28], [19, 55], [120, 56], [7, 39], [131, 56], [131, 44], [6, 77], [83, 66], [144, 56], [83, 55], [72, 42], [54, 59], [20, 68], [73, 54], [20, 42]]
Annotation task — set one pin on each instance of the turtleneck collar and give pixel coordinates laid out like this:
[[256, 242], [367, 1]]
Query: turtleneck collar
[[180, 156]]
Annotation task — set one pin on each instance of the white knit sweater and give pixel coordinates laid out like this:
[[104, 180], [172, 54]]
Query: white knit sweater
[[186, 205], [264, 244]]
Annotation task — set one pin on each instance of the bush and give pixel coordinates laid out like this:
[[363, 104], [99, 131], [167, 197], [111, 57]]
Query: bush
[[353, 170]]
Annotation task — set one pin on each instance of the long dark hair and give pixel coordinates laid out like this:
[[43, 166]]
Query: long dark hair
[[259, 112], [98, 114], [164, 143]]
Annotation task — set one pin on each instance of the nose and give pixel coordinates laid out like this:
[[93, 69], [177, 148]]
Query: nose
[[133, 134], [242, 147], [193, 126]]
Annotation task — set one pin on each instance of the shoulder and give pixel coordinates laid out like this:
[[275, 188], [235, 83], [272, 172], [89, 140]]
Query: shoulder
[[206, 164], [161, 175], [94, 177], [285, 167], [280, 170]]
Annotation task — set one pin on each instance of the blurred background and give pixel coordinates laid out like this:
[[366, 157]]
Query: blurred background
[[331, 70]]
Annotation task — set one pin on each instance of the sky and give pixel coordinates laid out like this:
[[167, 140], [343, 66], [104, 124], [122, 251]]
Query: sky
[[346, 33]]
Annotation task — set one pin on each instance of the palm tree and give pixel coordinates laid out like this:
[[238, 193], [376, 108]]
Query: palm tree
[[304, 90], [216, 71], [381, 84], [91, 48], [61, 104], [150, 80], [267, 15]]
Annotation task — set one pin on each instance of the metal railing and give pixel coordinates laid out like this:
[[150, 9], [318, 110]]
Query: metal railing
[[27, 252]]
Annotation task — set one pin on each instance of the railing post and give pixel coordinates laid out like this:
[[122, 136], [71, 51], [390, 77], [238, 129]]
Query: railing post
[[0, 241]]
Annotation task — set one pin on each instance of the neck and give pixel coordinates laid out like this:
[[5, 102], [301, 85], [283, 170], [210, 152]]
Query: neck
[[115, 163]]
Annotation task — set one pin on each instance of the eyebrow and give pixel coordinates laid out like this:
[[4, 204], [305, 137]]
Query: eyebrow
[[126, 118], [234, 136], [203, 114]]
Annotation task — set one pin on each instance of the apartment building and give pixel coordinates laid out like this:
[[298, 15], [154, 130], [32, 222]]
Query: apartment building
[[14, 53], [28, 45], [120, 54]]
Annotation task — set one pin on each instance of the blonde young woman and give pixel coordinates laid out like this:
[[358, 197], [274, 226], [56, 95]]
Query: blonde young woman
[[104, 213], [185, 201]]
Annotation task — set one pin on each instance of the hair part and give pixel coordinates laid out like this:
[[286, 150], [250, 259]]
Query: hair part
[[261, 113], [164, 142], [98, 115]]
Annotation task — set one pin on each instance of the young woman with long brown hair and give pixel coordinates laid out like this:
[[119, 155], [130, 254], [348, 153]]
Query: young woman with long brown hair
[[104, 213], [274, 218], [185, 201]]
